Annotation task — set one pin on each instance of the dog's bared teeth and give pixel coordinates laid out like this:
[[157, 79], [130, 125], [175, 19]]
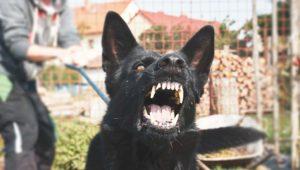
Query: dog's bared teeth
[[146, 114], [172, 115], [152, 92], [180, 94], [162, 117], [152, 118], [169, 85], [176, 86], [158, 86], [173, 86], [176, 118], [174, 121], [163, 85]]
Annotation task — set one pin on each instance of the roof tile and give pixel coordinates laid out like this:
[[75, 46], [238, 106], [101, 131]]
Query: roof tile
[[169, 21]]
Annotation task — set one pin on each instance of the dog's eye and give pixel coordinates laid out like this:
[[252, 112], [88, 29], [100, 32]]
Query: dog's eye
[[139, 68]]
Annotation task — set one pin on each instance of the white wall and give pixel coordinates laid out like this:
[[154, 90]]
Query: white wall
[[96, 41], [138, 25]]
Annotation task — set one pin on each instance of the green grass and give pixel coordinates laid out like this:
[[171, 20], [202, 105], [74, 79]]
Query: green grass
[[285, 131]]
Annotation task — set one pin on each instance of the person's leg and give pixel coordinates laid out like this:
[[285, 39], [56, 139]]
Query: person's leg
[[45, 146], [19, 129], [17, 156]]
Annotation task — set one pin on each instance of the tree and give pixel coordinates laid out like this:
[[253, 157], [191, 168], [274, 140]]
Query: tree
[[227, 36]]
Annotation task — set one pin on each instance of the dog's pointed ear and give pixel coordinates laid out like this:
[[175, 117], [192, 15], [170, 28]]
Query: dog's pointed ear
[[200, 49], [117, 41]]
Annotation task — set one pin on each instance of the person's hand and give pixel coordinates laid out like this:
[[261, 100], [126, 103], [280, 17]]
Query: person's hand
[[78, 56], [65, 56], [296, 62], [82, 57]]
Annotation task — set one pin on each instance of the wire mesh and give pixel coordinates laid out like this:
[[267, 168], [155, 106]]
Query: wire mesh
[[166, 25]]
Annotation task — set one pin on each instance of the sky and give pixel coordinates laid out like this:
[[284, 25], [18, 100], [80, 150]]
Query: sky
[[238, 10]]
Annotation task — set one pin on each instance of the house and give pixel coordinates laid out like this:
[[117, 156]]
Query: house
[[89, 20], [144, 20]]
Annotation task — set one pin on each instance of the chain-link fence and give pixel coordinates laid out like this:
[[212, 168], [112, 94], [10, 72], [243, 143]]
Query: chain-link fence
[[166, 25]]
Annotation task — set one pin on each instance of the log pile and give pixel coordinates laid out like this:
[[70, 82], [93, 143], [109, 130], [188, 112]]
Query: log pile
[[230, 66]]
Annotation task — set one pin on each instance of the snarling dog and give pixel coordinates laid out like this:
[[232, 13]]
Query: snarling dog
[[149, 124]]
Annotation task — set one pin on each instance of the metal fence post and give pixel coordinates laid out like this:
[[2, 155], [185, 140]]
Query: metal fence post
[[275, 77], [255, 55], [295, 52]]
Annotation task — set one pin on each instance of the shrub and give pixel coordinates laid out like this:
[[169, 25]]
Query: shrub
[[73, 141]]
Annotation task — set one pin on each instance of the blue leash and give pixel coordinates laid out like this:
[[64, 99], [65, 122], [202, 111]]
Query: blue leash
[[90, 82]]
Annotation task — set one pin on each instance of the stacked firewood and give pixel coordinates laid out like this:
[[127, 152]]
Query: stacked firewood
[[241, 70], [203, 108]]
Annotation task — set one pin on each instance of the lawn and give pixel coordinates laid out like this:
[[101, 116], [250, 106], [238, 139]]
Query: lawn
[[285, 131]]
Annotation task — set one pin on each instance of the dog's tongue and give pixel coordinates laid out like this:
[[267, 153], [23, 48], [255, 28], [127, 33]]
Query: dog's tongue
[[162, 116]]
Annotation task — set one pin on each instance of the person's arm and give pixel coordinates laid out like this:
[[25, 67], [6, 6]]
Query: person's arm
[[15, 24], [37, 53], [67, 34], [15, 27]]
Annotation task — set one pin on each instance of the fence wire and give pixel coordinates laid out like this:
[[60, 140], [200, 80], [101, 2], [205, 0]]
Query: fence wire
[[166, 25]]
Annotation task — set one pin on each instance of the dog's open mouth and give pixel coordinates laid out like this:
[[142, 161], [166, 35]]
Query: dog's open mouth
[[162, 105]]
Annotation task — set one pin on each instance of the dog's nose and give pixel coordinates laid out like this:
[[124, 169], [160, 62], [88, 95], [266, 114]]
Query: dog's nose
[[171, 61]]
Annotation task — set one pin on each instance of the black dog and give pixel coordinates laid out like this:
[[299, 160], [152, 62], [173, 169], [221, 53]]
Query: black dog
[[149, 123]]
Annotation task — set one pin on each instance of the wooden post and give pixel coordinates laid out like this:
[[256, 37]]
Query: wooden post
[[255, 55], [226, 91], [295, 50], [275, 78]]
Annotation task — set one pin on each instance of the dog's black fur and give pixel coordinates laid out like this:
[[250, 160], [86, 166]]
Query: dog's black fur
[[125, 141]]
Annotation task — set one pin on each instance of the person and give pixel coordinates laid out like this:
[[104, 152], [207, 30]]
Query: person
[[31, 33], [296, 61]]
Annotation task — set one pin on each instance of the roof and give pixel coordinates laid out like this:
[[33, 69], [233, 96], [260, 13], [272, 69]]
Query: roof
[[90, 19], [169, 21]]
